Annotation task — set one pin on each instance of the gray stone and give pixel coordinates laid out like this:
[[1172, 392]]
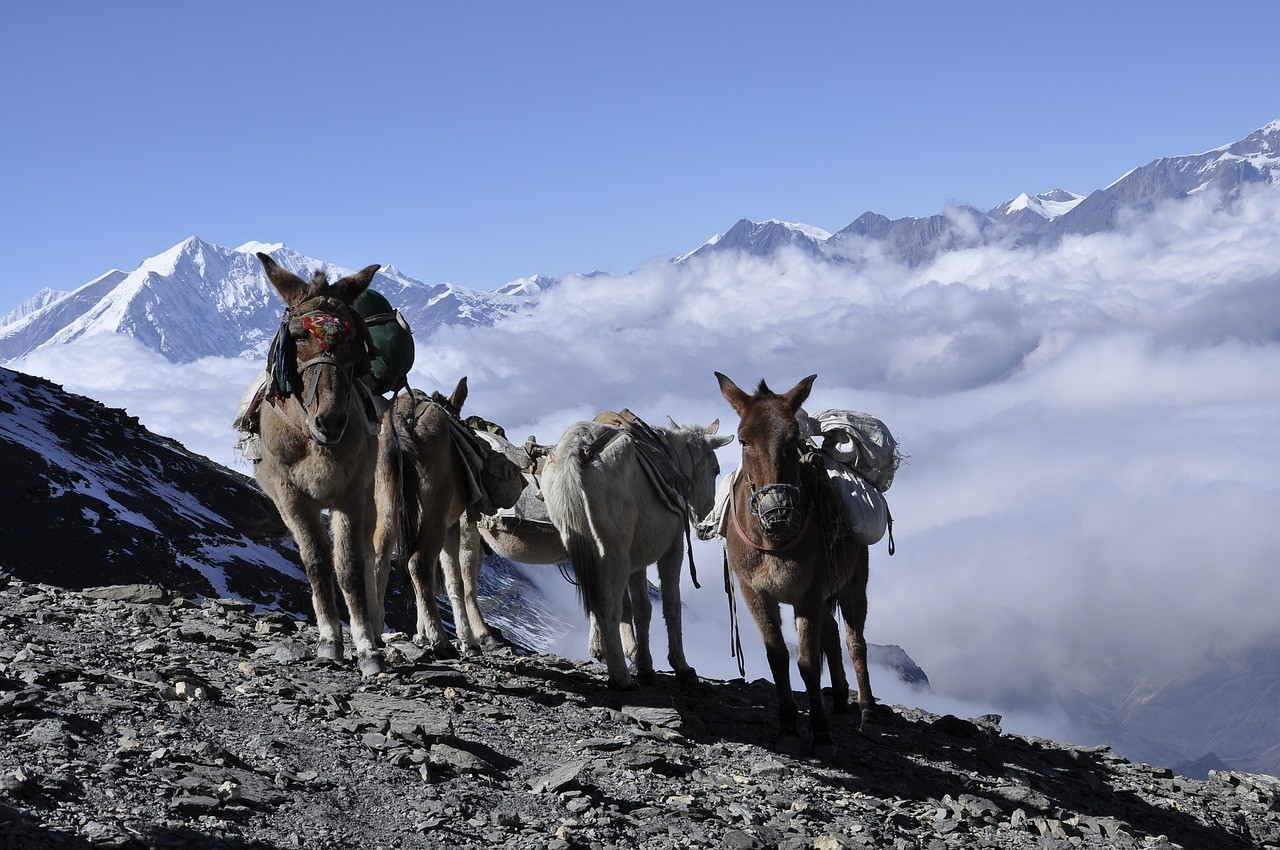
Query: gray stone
[[559, 778], [407, 719], [458, 760], [667, 718], [146, 594]]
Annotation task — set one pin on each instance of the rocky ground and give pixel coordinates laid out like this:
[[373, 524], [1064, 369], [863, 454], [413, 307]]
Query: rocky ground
[[130, 717]]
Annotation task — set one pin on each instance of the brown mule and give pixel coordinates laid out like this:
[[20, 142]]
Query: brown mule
[[423, 491], [779, 553], [317, 454]]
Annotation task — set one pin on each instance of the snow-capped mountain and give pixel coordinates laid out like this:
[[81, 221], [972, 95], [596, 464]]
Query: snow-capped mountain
[[199, 300], [1253, 159], [39, 301], [1047, 206], [1026, 219]]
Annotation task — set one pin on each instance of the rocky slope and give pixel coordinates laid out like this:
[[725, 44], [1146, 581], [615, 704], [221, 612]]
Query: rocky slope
[[133, 717]]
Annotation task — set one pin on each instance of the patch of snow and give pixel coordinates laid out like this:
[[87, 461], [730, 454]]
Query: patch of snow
[[816, 233]]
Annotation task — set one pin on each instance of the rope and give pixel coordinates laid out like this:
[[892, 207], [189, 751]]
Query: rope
[[563, 566], [735, 634], [688, 542]]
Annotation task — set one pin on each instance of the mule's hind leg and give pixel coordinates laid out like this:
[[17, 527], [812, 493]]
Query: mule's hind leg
[[627, 626], [669, 581], [609, 618], [834, 654], [451, 568], [471, 558], [642, 615], [811, 615], [385, 533], [422, 569], [853, 609], [353, 562]]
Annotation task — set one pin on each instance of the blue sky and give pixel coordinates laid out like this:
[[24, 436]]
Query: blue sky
[[477, 143]]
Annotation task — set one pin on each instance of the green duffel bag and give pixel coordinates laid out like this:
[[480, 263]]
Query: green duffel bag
[[393, 337]]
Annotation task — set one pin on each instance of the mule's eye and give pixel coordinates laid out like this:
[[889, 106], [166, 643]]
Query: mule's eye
[[743, 442]]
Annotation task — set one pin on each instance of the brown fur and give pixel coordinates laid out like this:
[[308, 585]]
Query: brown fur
[[806, 573], [317, 456], [420, 476]]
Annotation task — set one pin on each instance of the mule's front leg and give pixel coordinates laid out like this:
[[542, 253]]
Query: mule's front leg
[[768, 617], [355, 568], [316, 552]]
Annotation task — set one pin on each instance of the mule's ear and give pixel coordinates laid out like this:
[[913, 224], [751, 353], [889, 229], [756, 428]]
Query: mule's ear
[[459, 396], [288, 285], [721, 441], [733, 394], [350, 287], [671, 423], [712, 428], [795, 396]]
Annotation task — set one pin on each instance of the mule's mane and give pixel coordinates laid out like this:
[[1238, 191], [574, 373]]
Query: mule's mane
[[319, 283], [763, 389]]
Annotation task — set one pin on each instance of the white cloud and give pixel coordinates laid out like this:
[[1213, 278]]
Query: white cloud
[[1093, 482]]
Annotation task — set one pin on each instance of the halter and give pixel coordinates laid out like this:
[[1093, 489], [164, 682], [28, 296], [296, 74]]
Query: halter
[[768, 550], [769, 515], [330, 331]]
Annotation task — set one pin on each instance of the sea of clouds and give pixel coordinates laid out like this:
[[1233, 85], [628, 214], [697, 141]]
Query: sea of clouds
[[1094, 474]]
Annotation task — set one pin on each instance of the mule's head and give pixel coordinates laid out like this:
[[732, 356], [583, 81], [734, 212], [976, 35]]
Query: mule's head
[[770, 438], [700, 445], [328, 341]]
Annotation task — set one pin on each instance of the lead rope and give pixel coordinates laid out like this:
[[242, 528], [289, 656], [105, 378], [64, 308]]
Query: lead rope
[[688, 542], [735, 634]]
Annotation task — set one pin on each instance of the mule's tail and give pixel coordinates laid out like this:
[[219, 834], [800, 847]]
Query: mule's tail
[[406, 484], [572, 476]]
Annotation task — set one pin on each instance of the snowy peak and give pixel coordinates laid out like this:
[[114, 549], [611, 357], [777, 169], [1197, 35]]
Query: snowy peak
[[763, 238], [1254, 159], [198, 299], [39, 301], [1047, 205], [527, 286]]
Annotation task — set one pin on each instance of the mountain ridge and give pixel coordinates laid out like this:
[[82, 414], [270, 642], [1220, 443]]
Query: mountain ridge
[[156, 303]]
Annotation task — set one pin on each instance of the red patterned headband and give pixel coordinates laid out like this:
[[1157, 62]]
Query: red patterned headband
[[328, 330]]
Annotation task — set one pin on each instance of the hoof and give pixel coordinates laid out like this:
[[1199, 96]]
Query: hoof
[[370, 665], [440, 649], [444, 651], [845, 720], [646, 678], [686, 677], [493, 641], [329, 651], [627, 684], [788, 744], [824, 750]]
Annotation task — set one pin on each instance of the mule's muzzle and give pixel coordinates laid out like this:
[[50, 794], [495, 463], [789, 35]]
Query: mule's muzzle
[[778, 509], [328, 430]]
